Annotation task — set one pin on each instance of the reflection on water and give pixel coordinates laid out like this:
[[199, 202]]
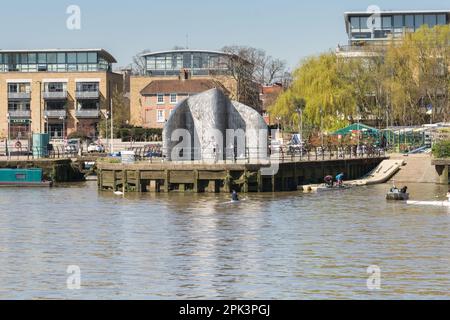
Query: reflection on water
[[284, 246]]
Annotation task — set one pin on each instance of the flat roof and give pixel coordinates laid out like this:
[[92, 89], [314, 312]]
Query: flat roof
[[385, 12], [184, 51], [102, 52]]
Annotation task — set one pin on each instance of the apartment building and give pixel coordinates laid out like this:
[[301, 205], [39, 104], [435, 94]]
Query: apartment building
[[56, 91], [171, 76], [368, 34]]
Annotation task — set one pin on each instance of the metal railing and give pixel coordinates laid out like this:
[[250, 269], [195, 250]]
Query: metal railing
[[19, 113], [55, 113], [282, 155], [87, 113], [55, 95], [87, 94], [19, 95]]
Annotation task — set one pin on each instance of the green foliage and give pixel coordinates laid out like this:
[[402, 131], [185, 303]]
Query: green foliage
[[441, 149], [395, 85], [121, 115], [323, 90], [139, 134], [78, 135]]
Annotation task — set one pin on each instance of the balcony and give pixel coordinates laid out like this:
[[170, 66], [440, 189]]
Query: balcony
[[87, 95], [19, 95], [62, 95], [87, 114], [22, 114], [55, 114]]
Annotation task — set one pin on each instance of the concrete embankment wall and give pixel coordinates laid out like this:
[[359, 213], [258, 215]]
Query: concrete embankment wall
[[55, 170], [417, 169], [215, 178]]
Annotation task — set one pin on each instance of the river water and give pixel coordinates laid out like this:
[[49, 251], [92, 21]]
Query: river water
[[280, 246]]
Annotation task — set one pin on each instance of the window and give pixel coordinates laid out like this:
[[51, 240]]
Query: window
[[92, 57], [61, 58], [160, 116], [441, 19], [355, 23], [418, 21], [71, 58], [409, 21], [430, 20], [364, 23], [387, 22], [173, 98], [398, 22], [160, 98], [82, 57]]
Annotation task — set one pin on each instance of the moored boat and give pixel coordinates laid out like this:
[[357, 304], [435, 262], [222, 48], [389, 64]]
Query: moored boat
[[23, 178]]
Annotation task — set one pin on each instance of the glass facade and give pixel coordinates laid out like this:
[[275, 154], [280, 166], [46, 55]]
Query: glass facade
[[392, 25], [197, 62], [53, 62]]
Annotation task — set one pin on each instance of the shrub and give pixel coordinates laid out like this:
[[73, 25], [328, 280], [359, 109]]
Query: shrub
[[441, 149]]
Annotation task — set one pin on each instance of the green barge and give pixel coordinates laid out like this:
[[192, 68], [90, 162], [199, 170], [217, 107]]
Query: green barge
[[23, 178]]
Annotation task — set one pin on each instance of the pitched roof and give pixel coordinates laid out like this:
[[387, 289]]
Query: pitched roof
[[180, 86]]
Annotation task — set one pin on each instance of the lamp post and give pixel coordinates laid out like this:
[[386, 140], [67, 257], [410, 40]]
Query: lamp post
[[106, 128], [46, 124], [8, 117], [300, 105], [321, 127], [112, 129], [63, 127]]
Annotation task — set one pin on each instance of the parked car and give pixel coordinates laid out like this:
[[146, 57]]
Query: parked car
[[153, 154], [96, 148], [72, 146]]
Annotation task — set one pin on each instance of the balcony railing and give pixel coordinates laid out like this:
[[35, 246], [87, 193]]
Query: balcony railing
[[55, 95], [19, 114], [19, 95], [56, 114], [87, 95], [90, 114]]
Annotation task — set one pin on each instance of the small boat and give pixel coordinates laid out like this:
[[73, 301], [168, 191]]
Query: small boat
[[397, 196], [325, 187], [23, 178], [430, 203]]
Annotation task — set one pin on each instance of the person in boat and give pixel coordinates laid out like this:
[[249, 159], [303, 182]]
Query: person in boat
[[404, 189], [329, 181], [234, 196], [340, 179]]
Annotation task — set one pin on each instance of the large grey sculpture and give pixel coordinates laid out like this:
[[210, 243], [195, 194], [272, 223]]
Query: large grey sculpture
[[211, 127]]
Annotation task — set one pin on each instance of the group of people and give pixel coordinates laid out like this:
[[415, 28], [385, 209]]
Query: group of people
[[394, 189], [329, 180]]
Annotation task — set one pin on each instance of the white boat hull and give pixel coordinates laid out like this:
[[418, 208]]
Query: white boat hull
[[430, 203]]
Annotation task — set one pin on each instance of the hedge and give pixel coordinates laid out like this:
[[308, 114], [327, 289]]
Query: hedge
[[441, 149]]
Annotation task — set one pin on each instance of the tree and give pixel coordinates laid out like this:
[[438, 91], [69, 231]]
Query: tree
[[138, 66], [121, 115], [265, 69], [327, 94]]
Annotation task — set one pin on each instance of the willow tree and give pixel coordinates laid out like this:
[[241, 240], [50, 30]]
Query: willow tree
[[418, 75], [325, 87]]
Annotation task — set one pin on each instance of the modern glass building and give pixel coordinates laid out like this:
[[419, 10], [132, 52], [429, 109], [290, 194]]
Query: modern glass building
[[55, 91], [363, 26], [196, 62], [56, 60]]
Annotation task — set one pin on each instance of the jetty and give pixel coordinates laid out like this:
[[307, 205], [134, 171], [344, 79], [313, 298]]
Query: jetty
[[225, 177]]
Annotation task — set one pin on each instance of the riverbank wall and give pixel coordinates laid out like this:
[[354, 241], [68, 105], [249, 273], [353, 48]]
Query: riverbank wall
[[217, 178]]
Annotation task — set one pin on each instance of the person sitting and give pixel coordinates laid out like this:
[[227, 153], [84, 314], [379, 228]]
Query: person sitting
[[234, 196], [404, 190], [329, 181]]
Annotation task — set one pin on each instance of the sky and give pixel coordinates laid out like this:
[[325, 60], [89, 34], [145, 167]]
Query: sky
[[287, 29]]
